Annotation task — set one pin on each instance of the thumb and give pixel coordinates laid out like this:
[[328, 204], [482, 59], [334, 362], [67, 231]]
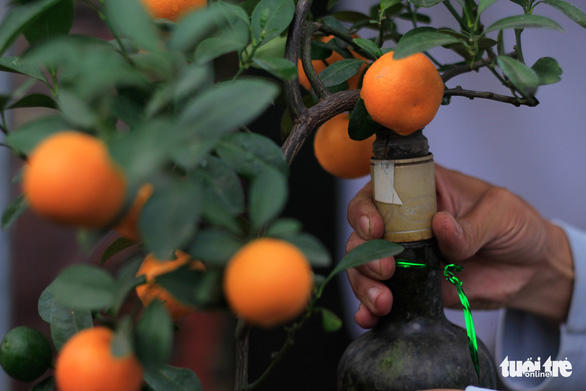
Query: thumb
[[458, 239]]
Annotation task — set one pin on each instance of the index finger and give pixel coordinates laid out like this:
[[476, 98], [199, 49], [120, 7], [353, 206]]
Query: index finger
[[363, 216]]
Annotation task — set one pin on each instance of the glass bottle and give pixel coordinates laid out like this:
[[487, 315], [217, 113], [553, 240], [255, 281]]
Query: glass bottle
[[414, 347]]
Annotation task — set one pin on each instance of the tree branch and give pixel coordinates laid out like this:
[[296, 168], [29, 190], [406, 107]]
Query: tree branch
[[312, 77], [461, 69], [242, 342], [292, 88], [327, 108], [459, 91]]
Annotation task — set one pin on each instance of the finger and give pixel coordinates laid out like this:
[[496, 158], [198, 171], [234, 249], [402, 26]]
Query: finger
[[457, 193], [364, 318], [380, 269], [375, 296], [363, 215]]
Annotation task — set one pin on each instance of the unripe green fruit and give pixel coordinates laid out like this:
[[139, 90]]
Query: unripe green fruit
[[25, 353]]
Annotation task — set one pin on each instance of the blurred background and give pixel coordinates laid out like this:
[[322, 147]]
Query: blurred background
[[535, 152]]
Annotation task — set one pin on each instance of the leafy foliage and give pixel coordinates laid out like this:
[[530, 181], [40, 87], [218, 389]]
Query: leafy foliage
[[171, 117]]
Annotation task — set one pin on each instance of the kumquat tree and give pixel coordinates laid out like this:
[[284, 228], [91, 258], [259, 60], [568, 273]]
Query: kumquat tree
[[143, 135]]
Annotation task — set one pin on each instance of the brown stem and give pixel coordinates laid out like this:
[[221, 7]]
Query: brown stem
[[325, 109], [461, 69], [459, 91], [292, 88], [242, 342], [314, 81], [327, 30]]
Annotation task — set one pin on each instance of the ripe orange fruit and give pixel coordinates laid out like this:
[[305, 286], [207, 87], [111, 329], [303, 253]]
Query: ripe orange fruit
[[319, 66], [128, 226], [172, 9], [86, 362], [151, 267], [403, 95], [268, 282], [337, 153], [71, 179]]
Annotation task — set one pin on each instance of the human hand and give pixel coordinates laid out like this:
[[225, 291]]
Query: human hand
[[512, 256]]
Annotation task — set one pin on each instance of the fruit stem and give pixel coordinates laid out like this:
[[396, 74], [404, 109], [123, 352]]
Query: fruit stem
[[456, 15]]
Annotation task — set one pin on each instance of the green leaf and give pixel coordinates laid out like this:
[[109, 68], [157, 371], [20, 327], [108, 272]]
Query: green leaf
[[17, 19], [366, 252], [191, 287], [46, 385], [168, 378], [126, 281], [425, 3], [361, 125], [523, 78], [212, 48], [570, 10], [34, 100], [484, 4], [122, 344], [420, 40], [154, 336], [141, 152], [275, 48], [251, 153], [222, 194], [220, 182], [20, 66], [280, 67], [84, 287], [320, 50], [169, 218], [524, 21], [369, 47], [330, 322], [335, 24], [14, 210], [196, 26], [25, 138], [386, 4], [214, 246], [115, 247], [548, 70], [139, 27], [353, 16], [339, 72], [317, 254], [279, 14], [204, 120], [76, 110], [64, 321], [55, 21], [267, 198], [285, 227], [249, 5]]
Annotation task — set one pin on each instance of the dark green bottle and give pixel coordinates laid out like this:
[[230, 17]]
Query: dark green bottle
[[414, 347]]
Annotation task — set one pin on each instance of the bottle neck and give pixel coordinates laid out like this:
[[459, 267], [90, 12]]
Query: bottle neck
[[416, 291]]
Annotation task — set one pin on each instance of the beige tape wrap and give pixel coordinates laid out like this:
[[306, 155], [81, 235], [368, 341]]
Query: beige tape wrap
[[404, 192]]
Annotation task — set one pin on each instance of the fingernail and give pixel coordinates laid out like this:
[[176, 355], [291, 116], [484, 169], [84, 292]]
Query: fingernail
[[364, 226], [373, 294]]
